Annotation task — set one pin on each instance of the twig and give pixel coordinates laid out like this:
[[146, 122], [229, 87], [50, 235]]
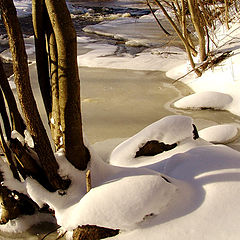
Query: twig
[[88, 180], [160, 25], [61, 236], [183, 76], [54, 230]]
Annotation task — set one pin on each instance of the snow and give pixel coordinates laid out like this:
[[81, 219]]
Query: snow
[[168, 130], [24, 7], [206, 205], [157, 59], [208, 99], [203, 179], [22, 224], [123, 209], [202, 199], [219, 134]]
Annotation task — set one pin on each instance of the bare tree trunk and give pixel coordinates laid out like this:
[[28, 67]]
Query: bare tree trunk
[[4, 115], [25, 95], [69, 84], [184, 29], [195, 16], [7, 153], [55, 116], [226, 13], [40, 17], [16, 119]]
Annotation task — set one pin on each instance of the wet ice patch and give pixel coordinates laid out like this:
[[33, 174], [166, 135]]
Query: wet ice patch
[[219, 134], [202, 100]]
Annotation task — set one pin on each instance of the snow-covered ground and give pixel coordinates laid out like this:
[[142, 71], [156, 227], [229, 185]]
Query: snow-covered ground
[[189, 192]]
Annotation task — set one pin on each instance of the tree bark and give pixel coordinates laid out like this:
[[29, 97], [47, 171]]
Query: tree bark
[[7, 153], [25, 95], [27, 164], [39, 18], [69, 83], [4, 115], [195, 16], [16, 118], [55, 116]]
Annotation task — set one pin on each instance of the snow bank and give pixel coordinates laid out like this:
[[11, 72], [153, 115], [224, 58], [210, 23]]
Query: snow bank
[[224, 78], [209, 179]]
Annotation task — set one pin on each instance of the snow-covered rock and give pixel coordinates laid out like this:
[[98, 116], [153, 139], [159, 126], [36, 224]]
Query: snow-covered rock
[[169, 130], [224, 133], [208, 99]]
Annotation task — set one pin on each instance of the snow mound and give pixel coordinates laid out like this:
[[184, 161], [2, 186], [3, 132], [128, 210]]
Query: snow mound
[[219, 134], [117, 204], [169, 130], [120, 204], [208, 99]]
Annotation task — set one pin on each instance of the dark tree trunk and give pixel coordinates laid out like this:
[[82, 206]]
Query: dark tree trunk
[[4, 115], [40, 17], [16, 118], [7, 153]]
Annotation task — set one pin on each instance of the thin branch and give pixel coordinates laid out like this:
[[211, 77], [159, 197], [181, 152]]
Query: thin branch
[[160, 25]]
